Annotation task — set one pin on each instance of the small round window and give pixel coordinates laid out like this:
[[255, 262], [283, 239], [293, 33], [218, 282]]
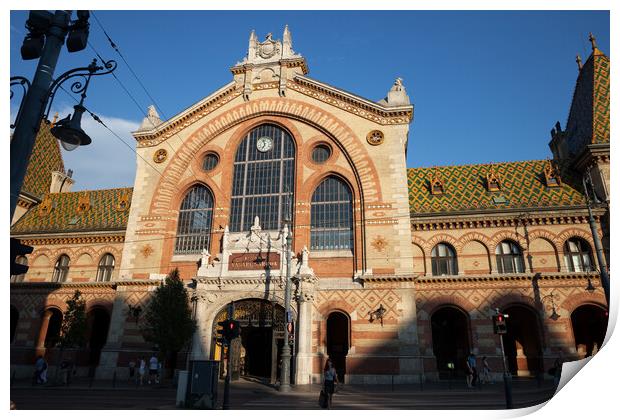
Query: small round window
[[211, 160], [321, 153]]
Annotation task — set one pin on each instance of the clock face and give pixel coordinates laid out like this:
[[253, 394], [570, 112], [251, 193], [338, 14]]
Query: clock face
[[264, 144]]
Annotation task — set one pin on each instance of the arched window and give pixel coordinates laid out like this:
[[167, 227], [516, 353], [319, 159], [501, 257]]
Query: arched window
[[577, 255], [18, 278], [263, 177], [106, 267], [195, 216], [509, 258], [61, 269], [331, 216], [443, 259]]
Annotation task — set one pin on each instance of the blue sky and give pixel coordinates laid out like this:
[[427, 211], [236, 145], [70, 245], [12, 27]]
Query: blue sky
[[487, 86]]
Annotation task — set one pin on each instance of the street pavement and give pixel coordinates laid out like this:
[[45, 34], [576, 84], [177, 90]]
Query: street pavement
[[254, 395]]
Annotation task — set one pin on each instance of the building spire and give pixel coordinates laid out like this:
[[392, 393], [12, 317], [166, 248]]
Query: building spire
[[253, 43], [592, 41], [578, 61], [287, 43]]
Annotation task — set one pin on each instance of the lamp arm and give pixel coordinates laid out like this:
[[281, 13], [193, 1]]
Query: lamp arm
[[79, 86]]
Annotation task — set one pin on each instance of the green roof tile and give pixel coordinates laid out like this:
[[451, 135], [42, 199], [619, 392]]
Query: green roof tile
[[64, 216], [522, 186]]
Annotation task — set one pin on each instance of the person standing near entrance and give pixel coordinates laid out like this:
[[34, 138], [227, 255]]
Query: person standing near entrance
[[330, 379], [40, 368], [153, 368], [472, 374], [141, 370]]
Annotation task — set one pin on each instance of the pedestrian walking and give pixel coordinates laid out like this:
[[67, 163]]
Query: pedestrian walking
[[132, 370], [485, 378], [141, 370], [40, 370], [472, 374], [330, 379], [153, 366]]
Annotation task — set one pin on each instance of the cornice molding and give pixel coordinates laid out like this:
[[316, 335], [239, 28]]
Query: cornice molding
[[177, 123], [354, 104], [55, 239], [462, 221]]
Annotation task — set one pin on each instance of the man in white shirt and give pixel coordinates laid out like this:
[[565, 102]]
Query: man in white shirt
[[153, 366]]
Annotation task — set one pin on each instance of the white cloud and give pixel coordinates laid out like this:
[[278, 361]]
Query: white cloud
[[106, 162]]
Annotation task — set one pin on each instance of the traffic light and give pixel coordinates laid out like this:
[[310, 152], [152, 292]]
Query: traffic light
[[499, 323], [233, 329], [221, 332], [18, 249]]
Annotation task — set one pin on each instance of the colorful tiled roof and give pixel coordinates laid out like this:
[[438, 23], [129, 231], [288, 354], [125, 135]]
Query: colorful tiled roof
[[79, 211], [45, 158], [588, 119], [522, 185]]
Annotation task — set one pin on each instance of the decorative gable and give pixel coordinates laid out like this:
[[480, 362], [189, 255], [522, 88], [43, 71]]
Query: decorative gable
[[83, 203], [436, 183], [552, 175], [494, 182]]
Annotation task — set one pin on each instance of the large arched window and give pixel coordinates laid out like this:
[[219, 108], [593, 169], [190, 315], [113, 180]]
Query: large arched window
[[331, 216], [18, 278], [577, 255], [263, 177], [443, 259], [61, 269], [195, 216], [509, 258], [105, 268]]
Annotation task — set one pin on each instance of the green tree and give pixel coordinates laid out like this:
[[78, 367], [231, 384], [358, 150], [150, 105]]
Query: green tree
[[73, 327], [168, 321]]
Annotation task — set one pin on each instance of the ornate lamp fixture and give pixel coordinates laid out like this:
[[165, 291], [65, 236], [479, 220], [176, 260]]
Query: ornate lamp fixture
[[377, 314], [135, 312], [554, 315]]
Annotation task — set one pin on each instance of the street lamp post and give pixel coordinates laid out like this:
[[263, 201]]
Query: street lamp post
[[27, 127], [45, 39], [586, 179], [285, 372]]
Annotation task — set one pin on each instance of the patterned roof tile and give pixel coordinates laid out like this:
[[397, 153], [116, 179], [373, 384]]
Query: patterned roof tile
[[79, 211], [45, 158], [465, 188]]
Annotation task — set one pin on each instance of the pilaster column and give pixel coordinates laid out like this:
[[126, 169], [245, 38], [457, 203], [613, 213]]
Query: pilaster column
[[303, 363], [109, 354], [45, 322]]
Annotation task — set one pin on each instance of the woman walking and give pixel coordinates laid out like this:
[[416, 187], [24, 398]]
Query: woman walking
[[330, 379]]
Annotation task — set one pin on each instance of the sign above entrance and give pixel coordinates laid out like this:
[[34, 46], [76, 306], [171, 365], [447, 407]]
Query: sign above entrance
[[254, 261]]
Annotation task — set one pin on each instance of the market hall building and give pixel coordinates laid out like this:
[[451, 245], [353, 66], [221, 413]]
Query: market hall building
[[396, 271]]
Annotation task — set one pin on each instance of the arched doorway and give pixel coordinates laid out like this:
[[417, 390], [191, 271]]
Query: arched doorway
[[256, 353], [589, 327], [14, 321], [450, 330], [522, 341], [53, 328], [98, 323], [338, 342]]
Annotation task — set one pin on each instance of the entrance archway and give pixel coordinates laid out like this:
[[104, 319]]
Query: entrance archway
[[53, 328], [450, 329], [522, 341], [98, 323], [256, 353], [14, 320], [589, 327], [338, 342]]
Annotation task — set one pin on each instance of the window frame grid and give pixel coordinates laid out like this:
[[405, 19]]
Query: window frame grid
[[262, 181], [331, 216], [196, 209]]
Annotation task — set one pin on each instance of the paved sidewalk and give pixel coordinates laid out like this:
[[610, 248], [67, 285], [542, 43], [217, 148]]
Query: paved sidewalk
[[248, 394]]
